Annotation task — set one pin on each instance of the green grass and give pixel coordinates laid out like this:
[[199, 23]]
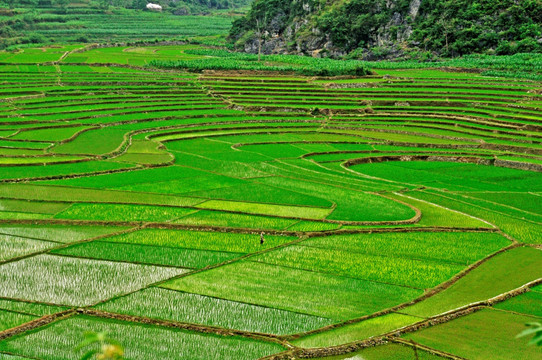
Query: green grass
[[486, 334], [352, 205], [202, 240], [523, 201], [516, 227], [71, 281], [144, 254], [186, 184], [11, 215], [402, 271], [458, 248], [111, 212], [224, 60], [59, 233], [216, 218], [491, 279], [435, 215], [454, 176], [358, 331], [32, 55], [528, 303], [337, 298], [49, 134], [12, 246], [313, 226], [303, 212], [30, 308], [131, 178], [259, 193], [10, 319], [140, 342], [179, 306], [66, 194], [86, 167], [32, 207]]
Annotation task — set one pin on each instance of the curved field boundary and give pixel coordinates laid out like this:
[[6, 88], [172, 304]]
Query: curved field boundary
[[384, 153], [423, 124], [459, 159], [415, 115]]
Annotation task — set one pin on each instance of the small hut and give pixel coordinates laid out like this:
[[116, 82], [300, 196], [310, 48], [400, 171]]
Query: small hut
[[154, 7]]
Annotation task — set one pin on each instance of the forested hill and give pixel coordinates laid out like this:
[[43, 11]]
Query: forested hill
[[371, 29]]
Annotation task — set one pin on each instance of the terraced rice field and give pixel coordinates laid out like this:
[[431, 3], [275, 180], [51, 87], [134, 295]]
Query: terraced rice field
[[243, 215]]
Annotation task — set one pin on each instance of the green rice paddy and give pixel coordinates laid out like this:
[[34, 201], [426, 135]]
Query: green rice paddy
[[241, 214]]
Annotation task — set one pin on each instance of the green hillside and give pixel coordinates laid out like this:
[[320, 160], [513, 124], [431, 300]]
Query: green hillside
[[29, 22], [372, 29]]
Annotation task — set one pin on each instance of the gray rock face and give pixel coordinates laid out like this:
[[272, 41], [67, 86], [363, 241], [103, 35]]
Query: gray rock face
[[414, 8], [296, 37]]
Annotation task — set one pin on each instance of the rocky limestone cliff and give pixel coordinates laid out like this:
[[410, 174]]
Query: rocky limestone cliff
[[300, 34], [377, 29]]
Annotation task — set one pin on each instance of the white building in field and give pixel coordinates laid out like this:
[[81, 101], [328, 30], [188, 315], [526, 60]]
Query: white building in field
[[154, 7]]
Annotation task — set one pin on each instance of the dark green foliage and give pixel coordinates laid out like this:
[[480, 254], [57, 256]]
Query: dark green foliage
[[202, 6], [449, 28], [466, 26], [352, 25]]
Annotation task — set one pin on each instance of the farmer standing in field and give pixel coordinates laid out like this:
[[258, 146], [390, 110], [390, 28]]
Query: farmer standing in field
[[262, 240]]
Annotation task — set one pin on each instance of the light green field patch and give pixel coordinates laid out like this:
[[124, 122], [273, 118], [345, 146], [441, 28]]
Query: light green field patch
[[112, 212], [67, 194], [486, 334], [312, 293], [304, 212], [145, 159], [313, 226], [10, 319], [41, 160], [30, 308], [492, 278], [358, 331], [12, 246], [203, 240], [187, 185], [140, 341], [49, 134], [71, 281], [12, 215], [144, 254], [402, 271], [32, 207], [93, 142], [528, 303], [458, 248], [59, 233], [434, 215], [179, 306], [217, 218]]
